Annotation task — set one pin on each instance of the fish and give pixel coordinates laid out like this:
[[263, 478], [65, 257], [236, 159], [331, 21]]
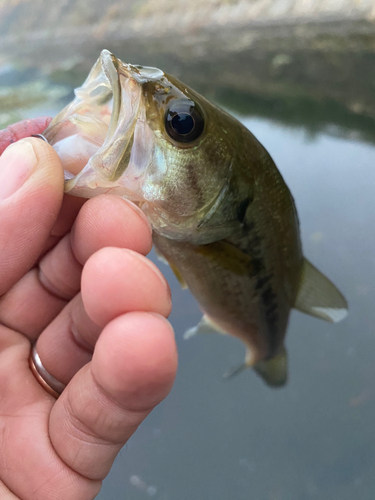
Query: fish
[[221, 214]]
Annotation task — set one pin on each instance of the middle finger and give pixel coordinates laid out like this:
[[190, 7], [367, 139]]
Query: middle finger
[[37, 298]]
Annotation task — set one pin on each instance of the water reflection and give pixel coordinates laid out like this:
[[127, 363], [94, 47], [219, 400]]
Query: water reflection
[[324, 117]]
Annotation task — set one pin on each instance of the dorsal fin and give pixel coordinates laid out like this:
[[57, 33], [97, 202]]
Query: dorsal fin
[[319, 297]]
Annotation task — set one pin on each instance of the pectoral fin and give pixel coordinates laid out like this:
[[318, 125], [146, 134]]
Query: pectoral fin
[[228, 257], [319, 297]]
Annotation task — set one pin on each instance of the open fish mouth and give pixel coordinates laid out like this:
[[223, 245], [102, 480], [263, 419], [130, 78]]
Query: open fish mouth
[[95, 134]]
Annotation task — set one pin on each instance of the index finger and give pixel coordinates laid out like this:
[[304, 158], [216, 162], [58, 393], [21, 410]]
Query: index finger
[[70, 205], [21, 130]]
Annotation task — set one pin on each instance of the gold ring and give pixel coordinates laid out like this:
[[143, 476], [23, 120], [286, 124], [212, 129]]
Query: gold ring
[[45, 379]]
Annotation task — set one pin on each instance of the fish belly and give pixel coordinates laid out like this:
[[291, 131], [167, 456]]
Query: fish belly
[[231, 292]]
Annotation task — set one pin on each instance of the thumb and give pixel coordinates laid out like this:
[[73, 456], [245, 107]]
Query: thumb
[[31, 191]]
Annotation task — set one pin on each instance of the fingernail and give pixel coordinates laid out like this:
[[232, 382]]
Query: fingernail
[[17, 163], [154, 268]]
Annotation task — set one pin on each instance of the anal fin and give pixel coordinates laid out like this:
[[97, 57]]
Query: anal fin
[[274, 371], [319, 297]]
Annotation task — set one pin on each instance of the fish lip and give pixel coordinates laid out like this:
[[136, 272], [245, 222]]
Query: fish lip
[[103, 167], [142, 74], [110, 67], [109, 107]]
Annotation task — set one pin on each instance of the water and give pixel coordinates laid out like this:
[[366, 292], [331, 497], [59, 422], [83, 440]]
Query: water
[[238, 439]]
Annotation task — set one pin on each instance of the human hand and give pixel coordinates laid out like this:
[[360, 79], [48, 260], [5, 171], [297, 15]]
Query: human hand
[[73, 277]]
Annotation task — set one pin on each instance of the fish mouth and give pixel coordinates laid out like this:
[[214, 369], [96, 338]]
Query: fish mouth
[[94, 134]]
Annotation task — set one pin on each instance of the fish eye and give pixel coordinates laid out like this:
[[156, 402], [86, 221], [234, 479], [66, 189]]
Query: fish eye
[[184, 121]]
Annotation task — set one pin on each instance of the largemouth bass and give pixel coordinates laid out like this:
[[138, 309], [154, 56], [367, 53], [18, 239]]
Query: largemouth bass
[[221, 213]]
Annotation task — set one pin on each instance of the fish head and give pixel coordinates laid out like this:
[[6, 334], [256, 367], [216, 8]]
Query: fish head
[[136, 132]]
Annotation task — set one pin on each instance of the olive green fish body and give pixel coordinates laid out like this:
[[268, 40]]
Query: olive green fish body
[[248, 282]]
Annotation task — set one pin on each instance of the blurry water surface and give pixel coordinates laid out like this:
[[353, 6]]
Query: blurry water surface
[[239, 439]]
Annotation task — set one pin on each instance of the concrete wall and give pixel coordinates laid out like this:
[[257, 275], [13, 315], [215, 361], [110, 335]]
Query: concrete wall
[[43, 18]]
